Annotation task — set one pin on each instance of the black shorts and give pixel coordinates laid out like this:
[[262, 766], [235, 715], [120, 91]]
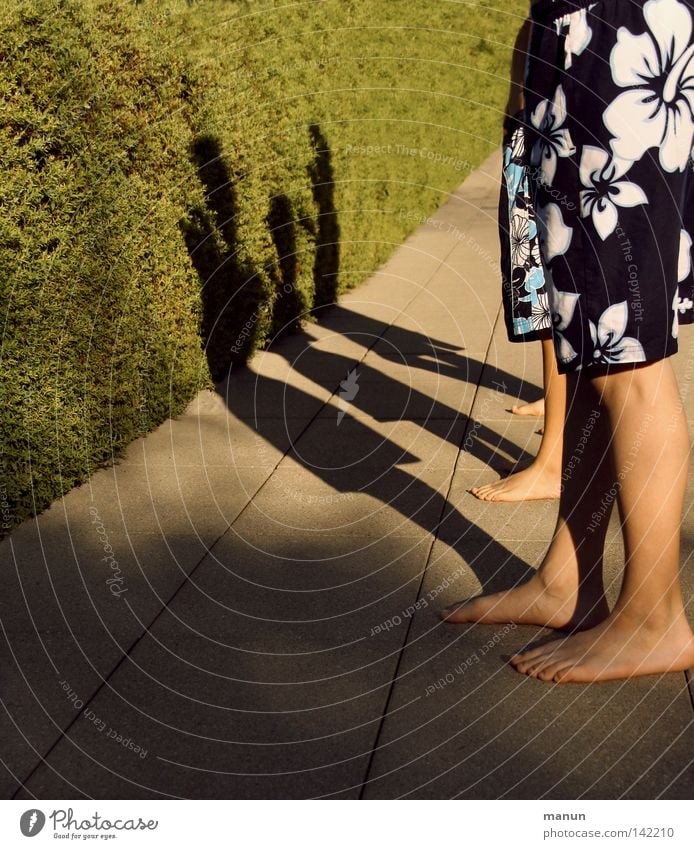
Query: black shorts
[[609, 118]]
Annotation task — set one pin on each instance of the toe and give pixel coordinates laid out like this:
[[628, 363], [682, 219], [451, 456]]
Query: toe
[[543, 675], [540, 668], [533, 662], [453, 612], [565, 674], [499, 495], [553, 667], [531, 668], [448, 611], [525, 656], [525, 666]]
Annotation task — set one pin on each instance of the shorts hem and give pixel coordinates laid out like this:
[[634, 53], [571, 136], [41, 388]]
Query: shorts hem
[[587, 365]]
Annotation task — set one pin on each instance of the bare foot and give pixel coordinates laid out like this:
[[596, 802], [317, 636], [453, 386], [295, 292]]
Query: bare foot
[[616, 648], [534, 408], [505, 465], [541, 601], [531, 484]]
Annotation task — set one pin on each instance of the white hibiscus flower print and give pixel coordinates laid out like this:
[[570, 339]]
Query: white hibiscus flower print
[[605, 191], [657, 69], [563, 305], [579, 33], [518, 144], [610, 345], [554, 140], [540, 314], [675, 319], [679, 305], [684, 269], [520, 240], [684, 262], [555, 235]]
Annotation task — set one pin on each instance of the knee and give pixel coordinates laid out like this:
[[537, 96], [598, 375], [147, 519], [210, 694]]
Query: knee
[[640, 387], [617, 393]]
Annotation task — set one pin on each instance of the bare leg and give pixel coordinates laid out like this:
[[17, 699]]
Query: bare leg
[[541, 479], [647, 632], [567, 591]]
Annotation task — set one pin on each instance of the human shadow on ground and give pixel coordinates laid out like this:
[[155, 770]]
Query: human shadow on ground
[[385, 398], [418, 350], [360, 459]]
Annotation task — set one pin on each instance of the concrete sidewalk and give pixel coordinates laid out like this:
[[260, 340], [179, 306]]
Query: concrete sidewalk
[[246, 605]]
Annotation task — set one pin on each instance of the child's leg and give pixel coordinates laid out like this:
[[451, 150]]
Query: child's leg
[[648, 631], [541, 479], [574, 559]]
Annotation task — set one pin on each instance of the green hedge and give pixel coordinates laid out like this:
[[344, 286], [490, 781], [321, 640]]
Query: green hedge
[[175, 171], [99, 298]]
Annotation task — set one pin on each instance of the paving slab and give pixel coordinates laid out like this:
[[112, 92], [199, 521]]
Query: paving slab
[[266, 677], [70, 611]]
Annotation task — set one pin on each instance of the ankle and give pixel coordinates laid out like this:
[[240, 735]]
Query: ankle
[[548, 463], [655, 619], [557, 581]]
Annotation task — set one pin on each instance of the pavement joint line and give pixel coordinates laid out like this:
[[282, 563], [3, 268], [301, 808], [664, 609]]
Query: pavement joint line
[[434, 538], [689, 677], [401, 654]]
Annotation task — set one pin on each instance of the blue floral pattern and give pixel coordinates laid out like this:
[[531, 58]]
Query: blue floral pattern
[[526, 305]]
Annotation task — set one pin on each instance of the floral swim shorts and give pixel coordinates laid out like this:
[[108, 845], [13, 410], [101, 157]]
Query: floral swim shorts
[[609, 119], [525, 299]]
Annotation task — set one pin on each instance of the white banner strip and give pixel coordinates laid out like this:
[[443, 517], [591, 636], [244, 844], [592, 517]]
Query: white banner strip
[[335, 824]]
